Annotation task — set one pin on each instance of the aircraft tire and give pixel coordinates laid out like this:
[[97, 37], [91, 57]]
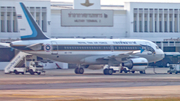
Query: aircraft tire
[[31, 72], [110, 71], [133, 72], [81, 70], [39, 73], [105, 71], [142, 72], [76, 70]]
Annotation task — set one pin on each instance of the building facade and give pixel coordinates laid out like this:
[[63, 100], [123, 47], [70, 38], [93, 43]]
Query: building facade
[[157, 22]]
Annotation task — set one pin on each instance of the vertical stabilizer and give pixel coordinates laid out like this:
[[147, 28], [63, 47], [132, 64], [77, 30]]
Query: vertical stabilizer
[[29, 30]]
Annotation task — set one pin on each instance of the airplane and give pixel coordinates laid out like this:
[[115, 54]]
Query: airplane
[[135, 54]]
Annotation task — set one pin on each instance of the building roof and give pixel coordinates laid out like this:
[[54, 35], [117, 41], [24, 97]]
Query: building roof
[[69, 5]]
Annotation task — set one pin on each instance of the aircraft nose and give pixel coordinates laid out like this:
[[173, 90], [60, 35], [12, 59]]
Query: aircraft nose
[[160, 54]]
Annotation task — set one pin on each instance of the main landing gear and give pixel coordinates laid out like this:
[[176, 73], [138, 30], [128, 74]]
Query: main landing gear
[[79, 70], [108, 71], [142, 72]]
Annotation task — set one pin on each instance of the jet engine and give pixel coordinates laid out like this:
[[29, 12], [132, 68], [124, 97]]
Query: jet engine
[[136, 64], [95, 67]]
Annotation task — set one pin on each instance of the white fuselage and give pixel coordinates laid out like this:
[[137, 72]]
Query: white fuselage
[[79, 50]]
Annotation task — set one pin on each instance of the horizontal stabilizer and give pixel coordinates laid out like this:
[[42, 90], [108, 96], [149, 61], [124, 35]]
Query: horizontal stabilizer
[[35, 47]]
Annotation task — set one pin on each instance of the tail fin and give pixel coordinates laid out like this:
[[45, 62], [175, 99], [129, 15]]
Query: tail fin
[[29, 30]]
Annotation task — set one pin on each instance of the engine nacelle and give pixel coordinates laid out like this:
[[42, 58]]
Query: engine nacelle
[[136, 64], [95, 67]]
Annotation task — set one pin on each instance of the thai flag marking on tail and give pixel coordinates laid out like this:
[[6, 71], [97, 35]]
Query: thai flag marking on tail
[[19, 16]]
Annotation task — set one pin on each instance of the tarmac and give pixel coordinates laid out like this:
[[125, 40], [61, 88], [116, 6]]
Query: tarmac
[[66, 85]]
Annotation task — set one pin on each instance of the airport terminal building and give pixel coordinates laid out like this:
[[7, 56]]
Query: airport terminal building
[[157, 22]]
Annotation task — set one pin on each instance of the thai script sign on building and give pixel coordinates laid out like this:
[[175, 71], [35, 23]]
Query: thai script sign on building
[[87, 18]]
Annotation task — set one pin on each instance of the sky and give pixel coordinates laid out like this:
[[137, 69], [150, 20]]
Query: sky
[[121, 2]]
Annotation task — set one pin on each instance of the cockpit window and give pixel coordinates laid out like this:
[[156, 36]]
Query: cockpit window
[[157, 47]]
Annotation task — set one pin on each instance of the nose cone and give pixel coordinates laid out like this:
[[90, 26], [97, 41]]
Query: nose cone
[[160, 54]]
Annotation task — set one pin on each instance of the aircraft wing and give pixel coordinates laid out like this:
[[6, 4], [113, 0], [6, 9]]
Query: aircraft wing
[[127, 54], [123, 56]]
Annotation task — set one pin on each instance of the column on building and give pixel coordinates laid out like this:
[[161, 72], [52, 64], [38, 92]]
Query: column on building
[[0, 19], [5, 19], [151, 20], [163, 17], [178, 20], [168, 20], [44, 19], [3, 10], [165, 20], [8, 19], [143, 17], [11, 19], [135, 20], [160, 20], [175, 20], [155, 20], [40, 15], [140, 19], [15, 24], [162, 46], [157, 17], [145, 20], [148, 14]]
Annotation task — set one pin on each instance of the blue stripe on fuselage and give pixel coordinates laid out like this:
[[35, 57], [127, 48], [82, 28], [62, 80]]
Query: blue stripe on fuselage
[[34, 32]]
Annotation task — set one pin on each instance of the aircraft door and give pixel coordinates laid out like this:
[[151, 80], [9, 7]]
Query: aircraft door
[[112, 48], [54, 48]]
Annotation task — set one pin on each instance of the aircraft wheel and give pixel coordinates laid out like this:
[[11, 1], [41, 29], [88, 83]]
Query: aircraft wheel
[[81, 70], [76, 70], [110, 71], [31, 72], [22, 73], [142, 72], [39, 73], [133, 72], [105, 71]]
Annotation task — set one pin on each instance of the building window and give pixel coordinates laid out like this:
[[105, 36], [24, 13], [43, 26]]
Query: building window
[[135, 23], [169, 49]]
